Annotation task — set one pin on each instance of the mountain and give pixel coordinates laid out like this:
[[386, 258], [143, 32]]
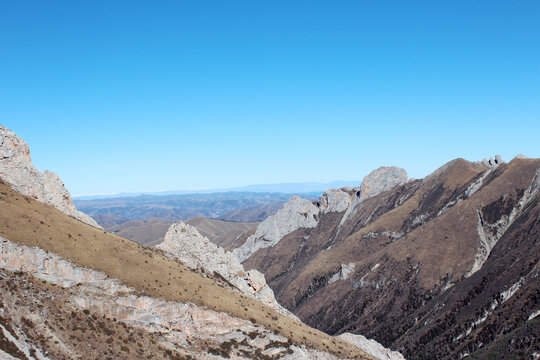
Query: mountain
[[72, 290], [181, 207], [443, 267]]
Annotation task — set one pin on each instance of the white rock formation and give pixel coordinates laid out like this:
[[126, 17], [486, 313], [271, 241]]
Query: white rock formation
[[345, 270], [295, 214], [490, 234], [185, 244], [300, 213], [335, 200], [372, 347], [376, 182], [179, 323], [380, 180], [16, 168]]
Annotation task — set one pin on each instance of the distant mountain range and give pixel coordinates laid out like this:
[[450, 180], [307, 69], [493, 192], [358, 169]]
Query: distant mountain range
[[231, 206], [285, 188]]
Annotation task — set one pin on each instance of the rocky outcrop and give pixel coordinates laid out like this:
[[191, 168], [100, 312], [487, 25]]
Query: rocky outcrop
[[335, 200], [295, 214], [380, 180], [177, 325], [300, 213], [16, 168], [185, 244], [371, 347]]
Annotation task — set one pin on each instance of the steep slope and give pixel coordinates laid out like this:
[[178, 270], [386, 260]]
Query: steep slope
[[144, 276], [374, 267], [17, 169]]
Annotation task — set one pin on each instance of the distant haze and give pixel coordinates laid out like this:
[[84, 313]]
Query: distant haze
[[310, 188]]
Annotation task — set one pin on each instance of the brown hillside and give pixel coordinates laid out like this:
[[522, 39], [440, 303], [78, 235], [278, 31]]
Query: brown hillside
[[407, 245], [31, 223]]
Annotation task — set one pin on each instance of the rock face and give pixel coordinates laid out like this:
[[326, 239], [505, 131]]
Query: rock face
[[181, 327], [295, 214], [380, 180], [300, 213], [185, 244], [17, 169]]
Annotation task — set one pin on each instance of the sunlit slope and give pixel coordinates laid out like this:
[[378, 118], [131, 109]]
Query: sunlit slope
[[31, 223]]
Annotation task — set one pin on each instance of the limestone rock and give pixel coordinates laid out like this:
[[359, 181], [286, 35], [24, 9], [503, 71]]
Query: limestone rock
[[380, 180], [296, 213], [185, 244], [376, 182], [172, 323], [16, 168], [371, 347], [335, 200], [520, 156]]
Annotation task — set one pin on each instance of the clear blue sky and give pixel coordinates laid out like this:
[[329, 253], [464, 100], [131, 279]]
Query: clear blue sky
[[158, 95]]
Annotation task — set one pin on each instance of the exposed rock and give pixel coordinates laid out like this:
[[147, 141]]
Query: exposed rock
[[343, 273], [376, 182], [189, 247], [380, 180], [372, 347], [335, 200], [16, 168], [300, 213], [296, 213], [489, 234], [520, 156], [176, 325]]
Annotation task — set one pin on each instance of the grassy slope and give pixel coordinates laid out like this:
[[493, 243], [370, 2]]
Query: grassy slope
[[31, 223]]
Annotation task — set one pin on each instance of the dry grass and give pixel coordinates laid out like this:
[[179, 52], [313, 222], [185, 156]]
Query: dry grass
[[31, 223]]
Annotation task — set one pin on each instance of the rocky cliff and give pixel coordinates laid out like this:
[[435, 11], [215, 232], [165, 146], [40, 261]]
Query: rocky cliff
[[300, 213], [74, 291], [16, 168], [182, 329]]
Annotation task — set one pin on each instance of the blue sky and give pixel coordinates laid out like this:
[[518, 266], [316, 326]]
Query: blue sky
[[146, 96]]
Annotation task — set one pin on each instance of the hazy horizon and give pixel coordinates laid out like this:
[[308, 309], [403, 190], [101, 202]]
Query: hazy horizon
[[137, 96]]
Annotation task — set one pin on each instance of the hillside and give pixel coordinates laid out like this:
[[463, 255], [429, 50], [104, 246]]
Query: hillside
[[437, 268], [30, 223], [150, 232]]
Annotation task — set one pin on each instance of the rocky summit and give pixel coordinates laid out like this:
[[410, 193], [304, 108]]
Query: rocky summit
[[16, 168]]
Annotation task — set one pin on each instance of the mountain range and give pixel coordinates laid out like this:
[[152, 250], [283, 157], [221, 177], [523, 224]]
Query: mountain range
[[444, 267]]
